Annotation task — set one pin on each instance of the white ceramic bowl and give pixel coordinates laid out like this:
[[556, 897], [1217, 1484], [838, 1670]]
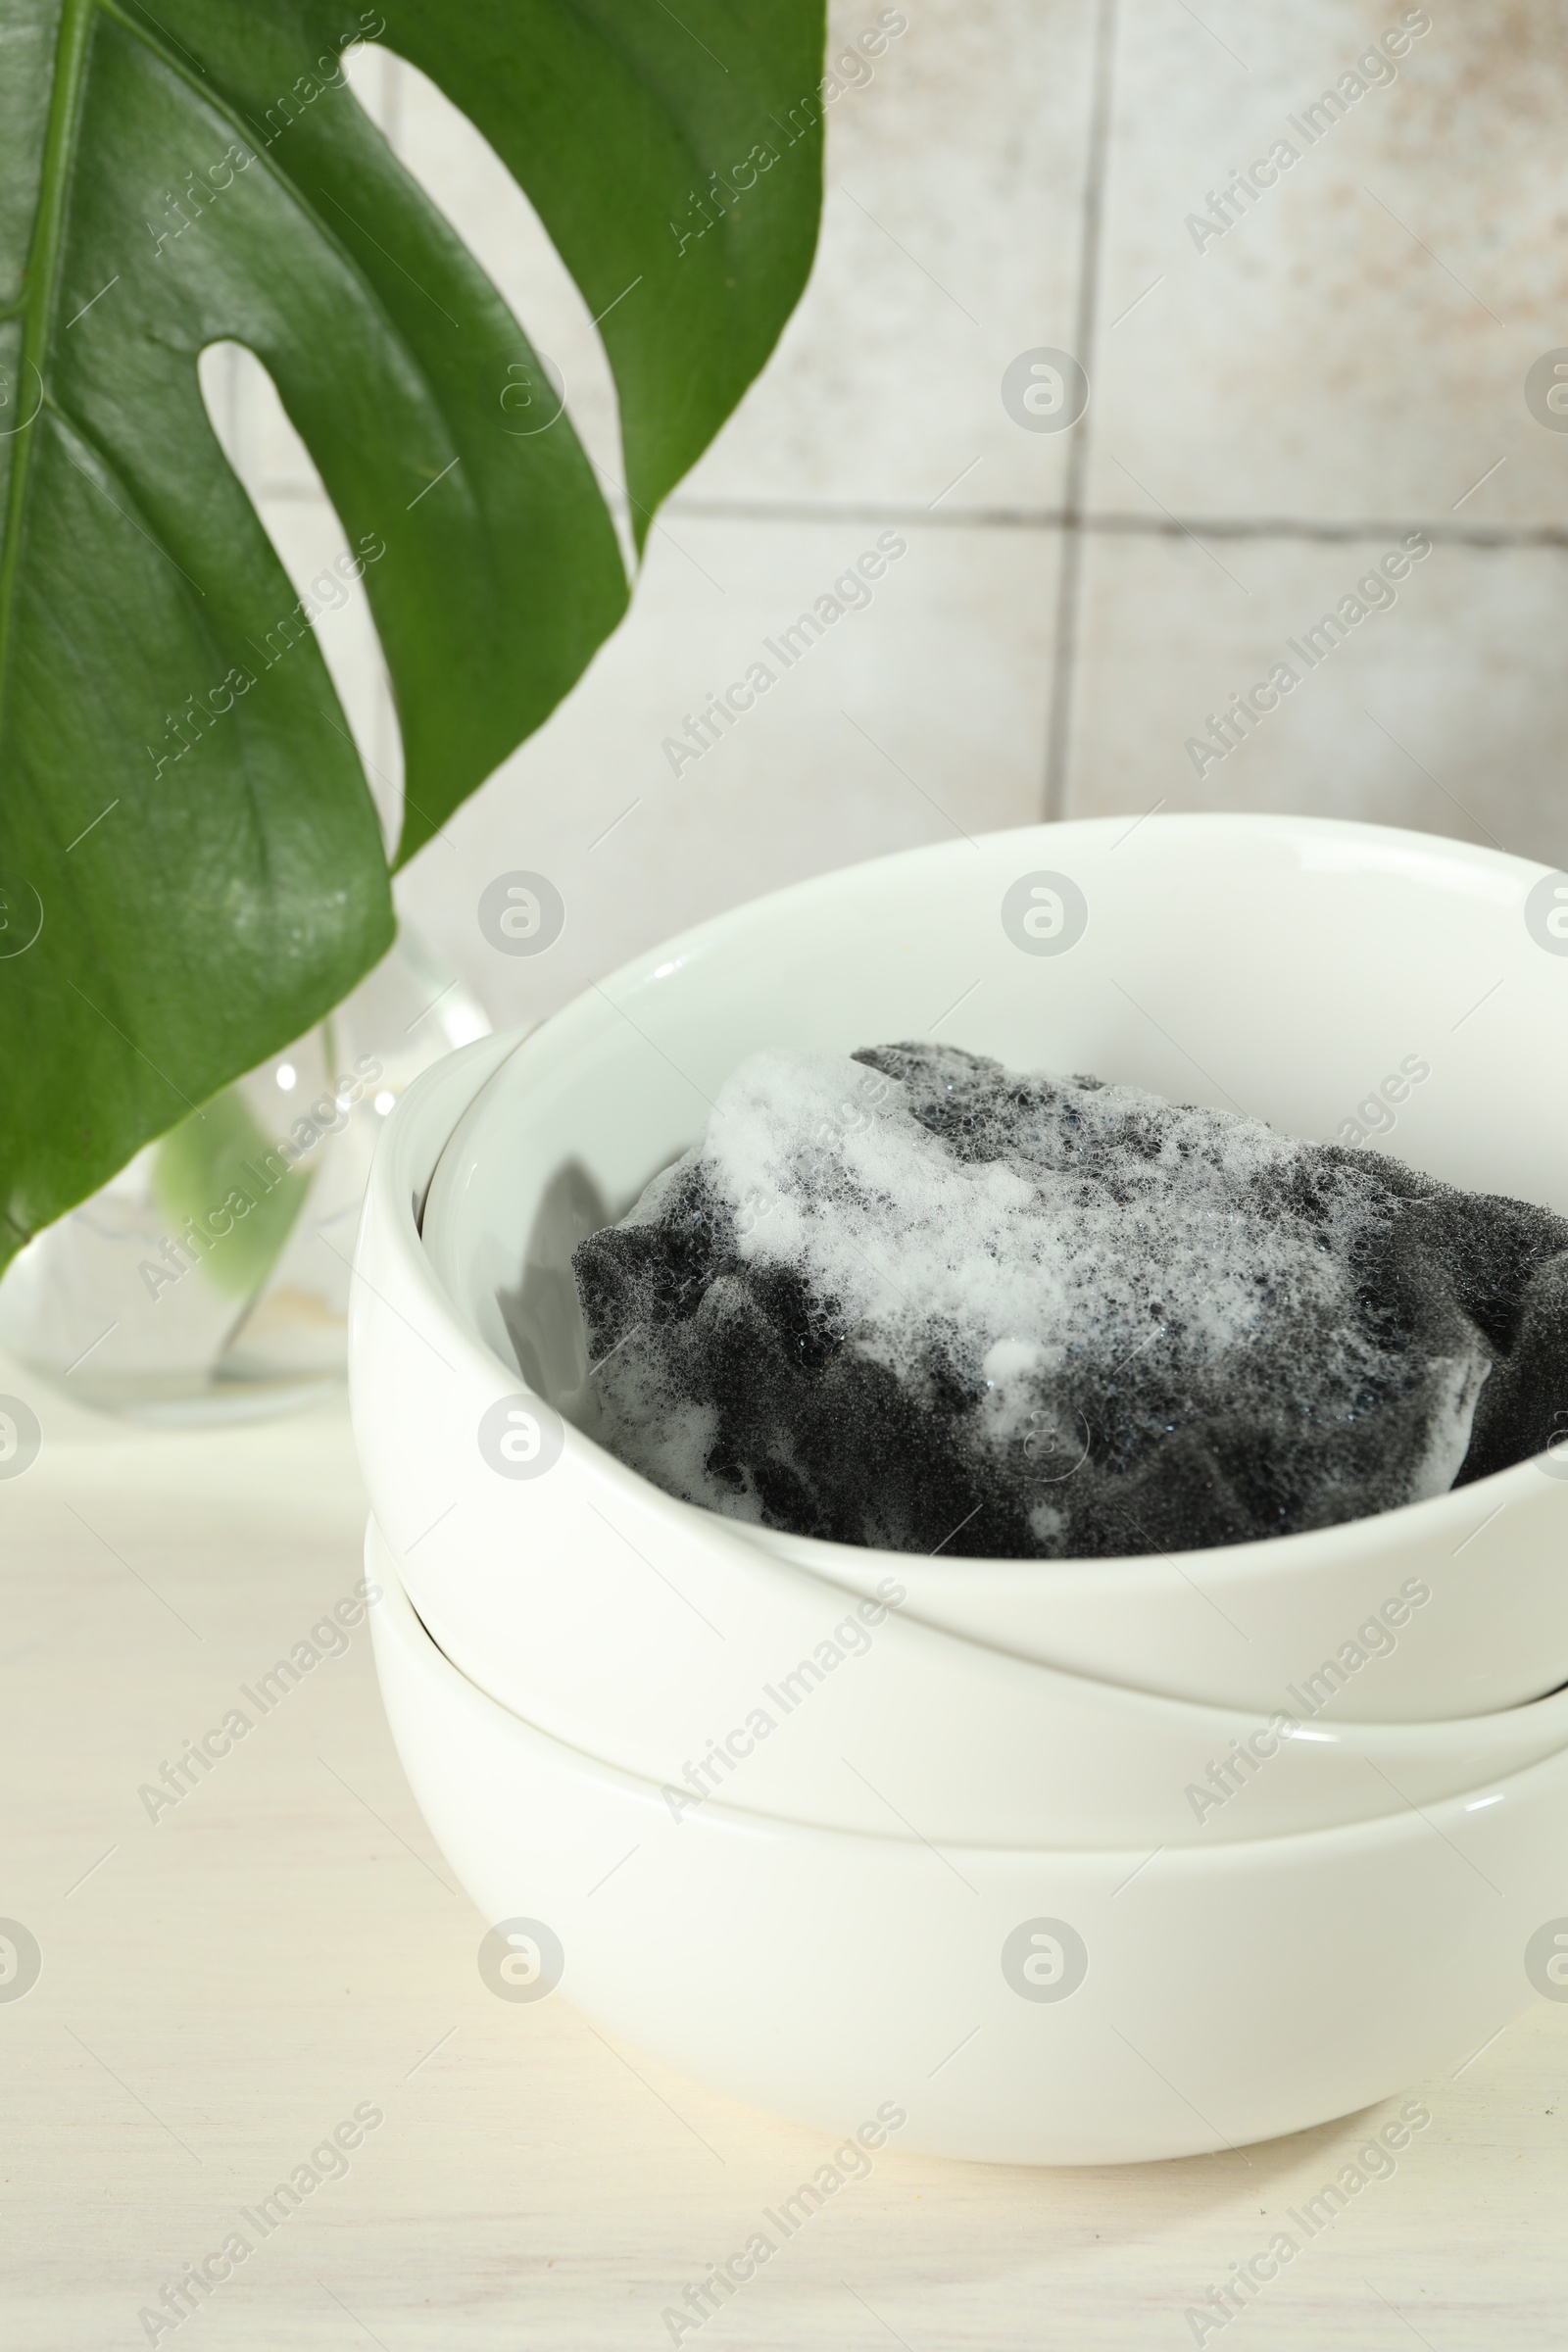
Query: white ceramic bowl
[[653, 1653], [1285, 964], [917, 1732], [1021, 2007]]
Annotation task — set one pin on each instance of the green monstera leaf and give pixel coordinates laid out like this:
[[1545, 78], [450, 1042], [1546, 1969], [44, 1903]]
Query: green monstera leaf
[[190, 866]]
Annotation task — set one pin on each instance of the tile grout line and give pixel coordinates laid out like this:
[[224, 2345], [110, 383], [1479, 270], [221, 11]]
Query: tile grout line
[[1322, 530], [1064, 644], [1341, 531]]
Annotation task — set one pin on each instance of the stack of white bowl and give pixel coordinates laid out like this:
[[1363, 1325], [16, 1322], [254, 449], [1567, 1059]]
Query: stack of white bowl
[[1075, 1861]]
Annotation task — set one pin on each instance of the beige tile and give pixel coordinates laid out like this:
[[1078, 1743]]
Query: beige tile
[[949, 244], [1446, 713], [1356, 343], [249, 419], [276, 470], [310, 539], [913, 718]]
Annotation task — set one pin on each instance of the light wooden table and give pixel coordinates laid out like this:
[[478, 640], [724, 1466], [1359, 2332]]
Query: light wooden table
[[223, 1986]]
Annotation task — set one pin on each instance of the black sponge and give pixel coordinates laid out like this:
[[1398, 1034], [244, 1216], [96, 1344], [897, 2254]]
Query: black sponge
[[911, 1299]]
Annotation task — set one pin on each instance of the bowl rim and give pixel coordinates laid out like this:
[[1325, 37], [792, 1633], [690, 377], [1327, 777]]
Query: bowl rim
[[1261, 1559]]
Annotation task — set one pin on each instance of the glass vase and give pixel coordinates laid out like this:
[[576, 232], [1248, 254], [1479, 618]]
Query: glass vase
[[210, 1277]]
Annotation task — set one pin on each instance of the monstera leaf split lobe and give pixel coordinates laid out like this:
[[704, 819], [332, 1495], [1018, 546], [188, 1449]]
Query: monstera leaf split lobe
[[190, 866]]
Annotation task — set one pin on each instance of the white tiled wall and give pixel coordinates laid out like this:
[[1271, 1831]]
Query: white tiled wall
[[1354, 345], [1268, 414], [1345, 363]]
